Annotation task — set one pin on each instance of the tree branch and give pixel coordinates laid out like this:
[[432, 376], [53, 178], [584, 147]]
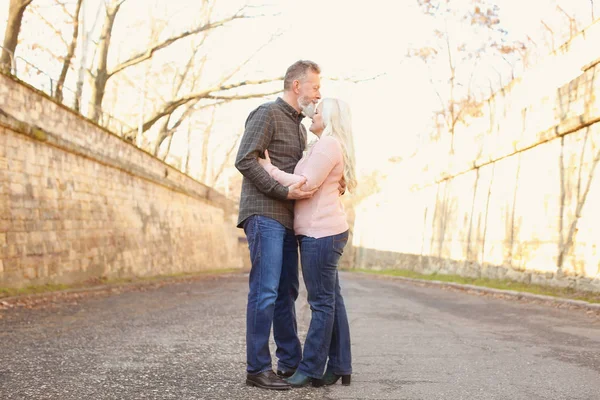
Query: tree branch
[[171, 106], [230, 151], [70, 50], [64, 8], [242, 83], [50, 25], [146, 55], [241, 97], [335, 78], [240, 66], [182, 76]]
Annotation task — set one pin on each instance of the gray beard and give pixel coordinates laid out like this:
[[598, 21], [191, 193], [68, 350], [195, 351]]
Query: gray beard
[[308, 109]]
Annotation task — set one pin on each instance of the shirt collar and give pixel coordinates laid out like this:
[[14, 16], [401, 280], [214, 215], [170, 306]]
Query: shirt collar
[[288, 109]]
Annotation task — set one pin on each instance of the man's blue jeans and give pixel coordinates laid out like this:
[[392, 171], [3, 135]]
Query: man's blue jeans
[[329, 332], [273, 292]]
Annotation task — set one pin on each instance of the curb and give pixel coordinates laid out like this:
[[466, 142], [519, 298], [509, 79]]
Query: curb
[[112, 287], [511, 293]]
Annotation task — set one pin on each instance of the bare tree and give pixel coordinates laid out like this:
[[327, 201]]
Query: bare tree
[[168, 129], [102, 73], [455, 88], [16, 9], [212, 93], [73, 19], [70, 49], [552, 41], [186, 165], [576, 189], [205, 144], [573, 26], [227, 159]]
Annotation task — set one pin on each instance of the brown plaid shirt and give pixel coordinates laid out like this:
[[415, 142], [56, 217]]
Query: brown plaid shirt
[[274, 126]]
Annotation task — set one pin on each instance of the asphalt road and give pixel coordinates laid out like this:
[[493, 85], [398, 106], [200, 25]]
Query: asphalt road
[[186, 341]]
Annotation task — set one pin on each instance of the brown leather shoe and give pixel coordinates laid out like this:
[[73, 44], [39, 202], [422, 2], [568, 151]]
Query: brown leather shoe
[[267, 380]]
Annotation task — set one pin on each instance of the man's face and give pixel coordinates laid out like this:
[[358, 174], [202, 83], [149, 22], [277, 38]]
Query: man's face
[[308, 93]]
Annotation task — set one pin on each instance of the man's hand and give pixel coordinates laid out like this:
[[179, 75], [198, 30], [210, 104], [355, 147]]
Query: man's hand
[[295, 193], [342, 186]]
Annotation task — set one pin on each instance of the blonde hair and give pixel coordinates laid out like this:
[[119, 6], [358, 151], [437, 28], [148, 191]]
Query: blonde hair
[[337, 121]]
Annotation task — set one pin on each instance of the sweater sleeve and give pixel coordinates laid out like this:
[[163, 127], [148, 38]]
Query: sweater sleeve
[[282, 177], [317, 167]]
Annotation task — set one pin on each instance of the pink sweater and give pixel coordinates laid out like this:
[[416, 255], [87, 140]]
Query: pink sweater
[[323, 214]]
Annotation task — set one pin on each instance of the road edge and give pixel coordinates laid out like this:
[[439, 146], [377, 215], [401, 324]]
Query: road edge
[[115, 287], [483, 289]]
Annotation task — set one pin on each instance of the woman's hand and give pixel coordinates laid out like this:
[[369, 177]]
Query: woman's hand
[[265, 161]]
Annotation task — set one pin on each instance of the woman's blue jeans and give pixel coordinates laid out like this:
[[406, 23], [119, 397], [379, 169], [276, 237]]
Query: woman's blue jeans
[[271, 299], [329, 332]]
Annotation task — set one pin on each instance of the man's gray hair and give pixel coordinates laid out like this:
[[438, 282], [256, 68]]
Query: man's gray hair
[[298, 71]]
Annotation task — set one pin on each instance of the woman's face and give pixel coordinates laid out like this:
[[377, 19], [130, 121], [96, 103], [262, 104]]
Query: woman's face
[[317, 126]]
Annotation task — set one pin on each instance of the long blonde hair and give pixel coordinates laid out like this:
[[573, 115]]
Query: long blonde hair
[[337, 121]]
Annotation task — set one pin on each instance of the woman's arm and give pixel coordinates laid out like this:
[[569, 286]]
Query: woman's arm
[[318, 165], [280, 176]]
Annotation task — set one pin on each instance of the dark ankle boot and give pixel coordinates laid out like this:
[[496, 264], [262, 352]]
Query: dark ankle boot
[[299, 379], [329, 378]]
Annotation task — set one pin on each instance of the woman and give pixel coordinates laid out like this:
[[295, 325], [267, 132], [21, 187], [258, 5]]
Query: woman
[[322, 231]]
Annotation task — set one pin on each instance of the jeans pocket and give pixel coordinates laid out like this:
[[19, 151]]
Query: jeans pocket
[[252, 236], [339, 242]]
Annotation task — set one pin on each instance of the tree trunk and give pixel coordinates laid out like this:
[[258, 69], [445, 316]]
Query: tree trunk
[[85, 42], [70, 53], [101, 78], [163, 134], [16, 9], [452, 105], [205, 144], [563, 195], [164, 158], [221, 168], [566, 243], [186, 166]]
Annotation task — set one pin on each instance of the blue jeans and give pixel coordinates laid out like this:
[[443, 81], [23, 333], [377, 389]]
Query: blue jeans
[[271, 299], [329, 332]]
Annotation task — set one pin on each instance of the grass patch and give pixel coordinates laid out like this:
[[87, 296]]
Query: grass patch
[[502, 284], [100, 281], [50, 287]]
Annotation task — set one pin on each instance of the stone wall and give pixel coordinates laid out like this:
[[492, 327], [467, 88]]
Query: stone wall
[[77, 202], [518, 199]]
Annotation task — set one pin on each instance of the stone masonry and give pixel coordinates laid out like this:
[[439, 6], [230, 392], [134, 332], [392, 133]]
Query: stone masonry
[[78, 202]]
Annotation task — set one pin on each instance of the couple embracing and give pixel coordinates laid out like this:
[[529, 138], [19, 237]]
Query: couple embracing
[[291, 200]]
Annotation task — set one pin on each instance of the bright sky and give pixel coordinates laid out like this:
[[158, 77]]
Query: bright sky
[[348, 39]]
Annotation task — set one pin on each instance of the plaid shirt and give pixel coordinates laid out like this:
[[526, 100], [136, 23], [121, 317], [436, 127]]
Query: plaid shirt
[[274, 126]]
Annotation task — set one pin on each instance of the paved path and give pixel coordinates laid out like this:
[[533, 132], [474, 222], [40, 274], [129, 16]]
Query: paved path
[[186, 341]]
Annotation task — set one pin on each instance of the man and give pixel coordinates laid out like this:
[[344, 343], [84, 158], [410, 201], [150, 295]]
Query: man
[[267, 216]]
